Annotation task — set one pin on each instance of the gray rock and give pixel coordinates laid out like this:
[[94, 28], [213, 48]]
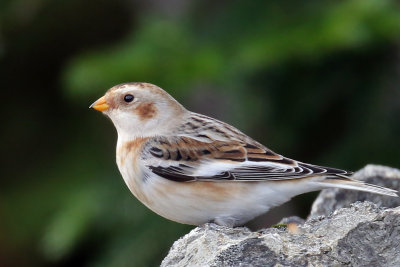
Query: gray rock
[[332, 199], [362, 234]]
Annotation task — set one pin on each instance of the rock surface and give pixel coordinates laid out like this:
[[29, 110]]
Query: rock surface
[[361, 234]]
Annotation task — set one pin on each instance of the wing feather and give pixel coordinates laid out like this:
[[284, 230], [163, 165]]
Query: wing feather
[[184, 159]]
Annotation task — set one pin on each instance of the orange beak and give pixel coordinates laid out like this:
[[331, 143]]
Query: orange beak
[[100, 104]]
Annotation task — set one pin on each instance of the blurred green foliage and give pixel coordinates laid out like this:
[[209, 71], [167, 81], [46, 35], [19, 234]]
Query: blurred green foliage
[[317, 81]]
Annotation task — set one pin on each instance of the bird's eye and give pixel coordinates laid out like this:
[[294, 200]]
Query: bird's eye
[[128, 98]]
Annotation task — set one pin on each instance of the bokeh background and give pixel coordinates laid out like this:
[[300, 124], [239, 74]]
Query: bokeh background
[[317, 81]]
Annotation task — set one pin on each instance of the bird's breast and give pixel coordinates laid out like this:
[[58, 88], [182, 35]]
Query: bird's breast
[[128, 161]]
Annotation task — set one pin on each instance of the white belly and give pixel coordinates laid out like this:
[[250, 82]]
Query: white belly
[[226, 203]]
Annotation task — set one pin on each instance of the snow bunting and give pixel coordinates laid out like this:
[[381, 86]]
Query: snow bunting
[[194, 169]]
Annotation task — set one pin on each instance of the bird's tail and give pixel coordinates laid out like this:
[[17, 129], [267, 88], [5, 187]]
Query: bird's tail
[[342, 181]]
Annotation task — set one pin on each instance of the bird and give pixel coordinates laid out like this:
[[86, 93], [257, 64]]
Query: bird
[[194, 169]]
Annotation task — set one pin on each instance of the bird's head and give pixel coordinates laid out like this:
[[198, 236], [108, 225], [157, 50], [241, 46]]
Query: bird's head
[[140, 110]]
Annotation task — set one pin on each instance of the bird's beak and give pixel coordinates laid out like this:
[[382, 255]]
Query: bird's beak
[[100, 104]]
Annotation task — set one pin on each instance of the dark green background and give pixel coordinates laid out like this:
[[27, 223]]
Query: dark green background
[[318, 81]]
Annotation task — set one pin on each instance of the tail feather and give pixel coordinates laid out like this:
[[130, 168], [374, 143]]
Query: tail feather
[[344, 182]]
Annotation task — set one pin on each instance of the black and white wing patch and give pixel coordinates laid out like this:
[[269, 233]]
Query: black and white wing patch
[[183, 159]]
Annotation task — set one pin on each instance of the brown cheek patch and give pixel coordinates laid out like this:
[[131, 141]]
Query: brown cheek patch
[[146, 111]]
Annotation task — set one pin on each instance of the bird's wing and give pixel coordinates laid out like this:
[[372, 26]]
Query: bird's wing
[[185, 159]]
